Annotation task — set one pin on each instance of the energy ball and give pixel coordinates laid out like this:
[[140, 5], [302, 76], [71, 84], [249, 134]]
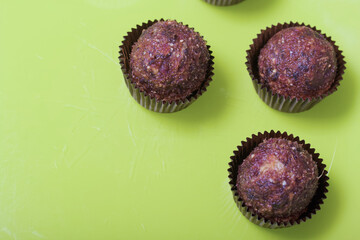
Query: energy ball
[[278, 180], [169, 61], [298, 62]]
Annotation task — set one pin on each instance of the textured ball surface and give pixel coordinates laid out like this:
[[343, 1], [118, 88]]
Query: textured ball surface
[[278, 180], [298, 62], [169, 61]]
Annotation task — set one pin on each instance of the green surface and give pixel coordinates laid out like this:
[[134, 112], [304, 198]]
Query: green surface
[[80, 159]]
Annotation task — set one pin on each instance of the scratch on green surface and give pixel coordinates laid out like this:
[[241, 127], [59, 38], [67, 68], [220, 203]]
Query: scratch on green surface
[[333, 157], [37, 234], [100, 51], [131, 135]]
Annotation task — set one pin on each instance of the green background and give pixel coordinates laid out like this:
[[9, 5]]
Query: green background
[[80, 159]]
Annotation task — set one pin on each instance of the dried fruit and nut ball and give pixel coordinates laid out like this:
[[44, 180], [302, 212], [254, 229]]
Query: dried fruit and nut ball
[[278, 180], [169, 61], [298, 62]]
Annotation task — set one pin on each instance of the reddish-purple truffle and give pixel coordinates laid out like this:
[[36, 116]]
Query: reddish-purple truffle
[[298, 62], [278, 180], [169, 61]]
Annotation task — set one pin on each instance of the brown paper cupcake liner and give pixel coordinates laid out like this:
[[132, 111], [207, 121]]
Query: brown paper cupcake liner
[[223, 2], [245, 149], [141, 97], [276, 101]]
